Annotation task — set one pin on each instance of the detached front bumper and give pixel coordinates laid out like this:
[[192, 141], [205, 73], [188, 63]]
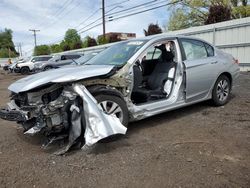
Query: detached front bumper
[[12, 115]]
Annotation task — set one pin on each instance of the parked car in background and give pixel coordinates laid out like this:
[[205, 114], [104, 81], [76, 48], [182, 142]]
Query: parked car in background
[[56, 62], [6, 65], [13, 65], [130, 80], [82, 60], [28, 66]]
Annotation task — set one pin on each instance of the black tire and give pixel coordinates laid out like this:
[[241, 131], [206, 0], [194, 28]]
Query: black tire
[[47, 68], [120, 102], [25, 70], [221, 94]]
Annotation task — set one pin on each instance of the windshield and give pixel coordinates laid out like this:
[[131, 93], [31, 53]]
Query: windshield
[[117, 54], [85, 58]]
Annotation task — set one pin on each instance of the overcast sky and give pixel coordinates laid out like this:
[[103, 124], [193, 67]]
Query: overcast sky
[[54, 17]]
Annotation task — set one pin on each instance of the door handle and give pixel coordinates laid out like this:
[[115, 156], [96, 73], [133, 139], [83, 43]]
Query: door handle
[[214, 62]]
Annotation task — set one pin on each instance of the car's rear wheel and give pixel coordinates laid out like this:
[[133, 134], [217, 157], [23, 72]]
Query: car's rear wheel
[[221, 91], [25, 70], [111, 104]]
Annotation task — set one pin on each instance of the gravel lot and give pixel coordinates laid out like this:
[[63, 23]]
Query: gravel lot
[[197, 146]]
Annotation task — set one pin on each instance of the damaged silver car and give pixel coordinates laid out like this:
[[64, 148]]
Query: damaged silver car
[[129, 81]]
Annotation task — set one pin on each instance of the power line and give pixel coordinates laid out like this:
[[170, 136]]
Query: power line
[[119, 3], [140, 5], [62, 7], [127, 15], [88, 17], [128, 10], [58, 15], [44, 24], [150, 3]]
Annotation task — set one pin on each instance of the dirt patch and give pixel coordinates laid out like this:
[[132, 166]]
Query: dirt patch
[[197, 146]]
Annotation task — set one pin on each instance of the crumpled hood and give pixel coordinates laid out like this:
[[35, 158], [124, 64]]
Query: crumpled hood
[[67, 74]]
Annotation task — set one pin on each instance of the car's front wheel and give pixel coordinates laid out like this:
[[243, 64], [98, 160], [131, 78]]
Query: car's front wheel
[[111, 104], [25, 70], [221, 91]]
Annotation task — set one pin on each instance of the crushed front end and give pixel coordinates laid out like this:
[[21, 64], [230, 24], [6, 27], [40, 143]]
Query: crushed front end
[[59, 111]]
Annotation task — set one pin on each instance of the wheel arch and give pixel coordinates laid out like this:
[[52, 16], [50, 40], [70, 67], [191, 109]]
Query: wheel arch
[[25, 67], [50, 66], [103, 89], [227, 74]]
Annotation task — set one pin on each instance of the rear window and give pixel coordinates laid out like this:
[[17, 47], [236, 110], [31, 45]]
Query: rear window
[[210, 50], [194, 49]]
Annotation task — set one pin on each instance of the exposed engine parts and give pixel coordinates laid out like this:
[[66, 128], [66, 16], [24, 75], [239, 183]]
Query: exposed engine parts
[[63, 112]]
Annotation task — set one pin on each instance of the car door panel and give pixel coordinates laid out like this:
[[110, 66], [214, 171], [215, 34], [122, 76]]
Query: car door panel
[[200, 70]]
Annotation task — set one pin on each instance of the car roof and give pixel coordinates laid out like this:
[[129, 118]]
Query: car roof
[[157, 37], [42, 56]]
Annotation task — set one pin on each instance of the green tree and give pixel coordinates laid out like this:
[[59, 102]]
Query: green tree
[[88, 42], [152, 29], [178, 20], [218, 13], [102, 40], [55, 48], [241, 11], [189, 13], [4, 52], [42, 50], [64, 46], [73, 39], [76, 45], [6, 44]]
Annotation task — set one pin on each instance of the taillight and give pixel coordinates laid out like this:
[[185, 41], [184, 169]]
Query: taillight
[[236, 61]]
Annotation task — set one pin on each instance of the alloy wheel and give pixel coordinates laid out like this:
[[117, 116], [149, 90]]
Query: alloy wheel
[[111, 107], [222, 90]]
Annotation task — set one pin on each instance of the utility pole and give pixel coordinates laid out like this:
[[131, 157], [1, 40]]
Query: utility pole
[[103, 17], [34, 32], [21, 53], [19, 48], [9, 51]]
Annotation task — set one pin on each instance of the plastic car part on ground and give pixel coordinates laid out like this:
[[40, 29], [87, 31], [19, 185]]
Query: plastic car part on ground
[[89, 117]]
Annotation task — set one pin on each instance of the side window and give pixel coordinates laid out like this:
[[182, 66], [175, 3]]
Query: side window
[[63, 57], [44, 58], [35, 59], [72, 56], [194, 49], [210, 50], [153, 53], [75, 56]]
